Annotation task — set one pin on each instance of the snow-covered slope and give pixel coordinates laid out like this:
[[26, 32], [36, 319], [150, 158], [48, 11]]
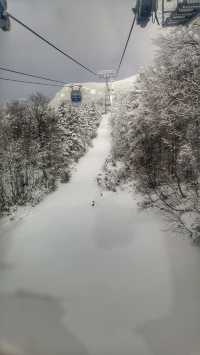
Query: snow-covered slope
[[125, 85], [95, 92]]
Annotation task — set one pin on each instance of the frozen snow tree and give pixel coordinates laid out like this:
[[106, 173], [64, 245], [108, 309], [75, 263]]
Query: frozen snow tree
[[29, 154], [78, 126], [157, 132], [38, 146]]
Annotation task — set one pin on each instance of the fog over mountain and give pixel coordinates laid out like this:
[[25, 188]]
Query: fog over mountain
[[92, 31]]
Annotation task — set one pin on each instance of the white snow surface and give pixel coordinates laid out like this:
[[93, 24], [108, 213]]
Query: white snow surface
[[102, 280]]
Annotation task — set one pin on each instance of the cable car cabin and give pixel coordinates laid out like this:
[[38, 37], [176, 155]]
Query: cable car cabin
[[4, 18], [179, 12], [143, 11], [76, 95]]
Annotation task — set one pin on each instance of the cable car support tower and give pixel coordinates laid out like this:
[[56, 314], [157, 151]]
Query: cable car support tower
[[107, 76]]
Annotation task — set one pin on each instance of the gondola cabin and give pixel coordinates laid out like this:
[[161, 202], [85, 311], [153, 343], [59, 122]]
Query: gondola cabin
[[4, 18], [76, 95], [179, 12], [144, 10], [174, 12]]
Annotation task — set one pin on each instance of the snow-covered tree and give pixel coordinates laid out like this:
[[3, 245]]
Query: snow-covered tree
[[156, 132], [38, 146]]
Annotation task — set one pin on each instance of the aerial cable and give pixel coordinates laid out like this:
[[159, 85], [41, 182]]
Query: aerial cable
[[32, 75], [156, 17], [126, 46], [51, 44], [29, 82]]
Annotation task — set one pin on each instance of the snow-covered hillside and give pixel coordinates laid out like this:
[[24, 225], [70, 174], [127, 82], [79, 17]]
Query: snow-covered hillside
[[61, 137]]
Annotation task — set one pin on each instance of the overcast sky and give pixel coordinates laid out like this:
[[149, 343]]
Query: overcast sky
[[93, 31]]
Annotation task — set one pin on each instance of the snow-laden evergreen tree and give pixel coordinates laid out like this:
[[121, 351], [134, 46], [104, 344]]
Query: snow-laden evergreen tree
[[38, 147], [156, 132]]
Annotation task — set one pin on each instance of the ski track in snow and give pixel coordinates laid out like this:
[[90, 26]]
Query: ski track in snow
[[102, 280]]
